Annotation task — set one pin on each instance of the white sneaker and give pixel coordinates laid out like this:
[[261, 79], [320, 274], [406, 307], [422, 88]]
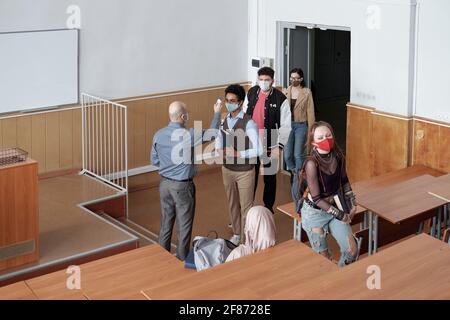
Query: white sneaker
[[235, 239]]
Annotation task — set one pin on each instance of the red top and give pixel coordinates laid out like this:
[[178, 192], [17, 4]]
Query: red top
[[258, 112]]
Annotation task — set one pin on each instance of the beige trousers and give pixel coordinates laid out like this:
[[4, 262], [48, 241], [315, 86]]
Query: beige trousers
[[239, 187]]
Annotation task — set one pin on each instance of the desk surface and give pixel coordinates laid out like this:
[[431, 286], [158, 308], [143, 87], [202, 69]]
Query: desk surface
[[121, 276], [441, 187], [290, 210], [385, 180], [403, 200], [250, 277], [417, 268], [17, 291], [374, 184]]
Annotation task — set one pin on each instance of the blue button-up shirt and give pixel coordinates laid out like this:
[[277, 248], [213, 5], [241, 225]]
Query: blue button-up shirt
[[251, 130], [173, 149]]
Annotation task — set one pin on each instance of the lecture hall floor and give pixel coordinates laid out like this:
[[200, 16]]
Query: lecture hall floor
[[69, 233], [211, 207]]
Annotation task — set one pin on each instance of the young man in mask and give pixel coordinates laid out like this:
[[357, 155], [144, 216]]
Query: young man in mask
[[239, 147], [270, 109]]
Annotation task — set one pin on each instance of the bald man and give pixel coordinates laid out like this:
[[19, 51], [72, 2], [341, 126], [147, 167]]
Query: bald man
[[172, 152]]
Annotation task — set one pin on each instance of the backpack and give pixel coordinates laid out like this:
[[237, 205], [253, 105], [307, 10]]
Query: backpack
[[210, 252]]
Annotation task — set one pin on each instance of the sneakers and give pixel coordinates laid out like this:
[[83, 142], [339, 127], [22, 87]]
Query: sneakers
[[235, 239]]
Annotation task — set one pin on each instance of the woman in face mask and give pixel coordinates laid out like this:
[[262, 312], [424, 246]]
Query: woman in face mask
[[329, 203], [302, 111]]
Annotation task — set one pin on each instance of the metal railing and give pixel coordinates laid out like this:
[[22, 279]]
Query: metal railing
[[104, 141]]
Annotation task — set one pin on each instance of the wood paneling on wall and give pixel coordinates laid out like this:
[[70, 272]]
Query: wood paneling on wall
[[390, 144], [53, 139], [359, 144], [378, 143], [432, 145]]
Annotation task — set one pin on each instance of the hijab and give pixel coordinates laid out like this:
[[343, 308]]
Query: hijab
[[259, 233]]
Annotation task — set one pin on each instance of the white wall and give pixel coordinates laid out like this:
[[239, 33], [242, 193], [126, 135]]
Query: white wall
[[433, 60], [381, 64], [130, 48]]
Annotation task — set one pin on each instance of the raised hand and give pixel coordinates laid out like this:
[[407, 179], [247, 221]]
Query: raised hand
[[218, 106]]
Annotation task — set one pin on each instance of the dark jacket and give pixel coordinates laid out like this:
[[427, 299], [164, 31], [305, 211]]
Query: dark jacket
[[277, 116]]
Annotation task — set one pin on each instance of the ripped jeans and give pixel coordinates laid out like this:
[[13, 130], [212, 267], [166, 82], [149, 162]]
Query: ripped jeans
[[318, 223]]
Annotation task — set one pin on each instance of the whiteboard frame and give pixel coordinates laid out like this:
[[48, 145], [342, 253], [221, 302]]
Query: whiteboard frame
[[32, 110]]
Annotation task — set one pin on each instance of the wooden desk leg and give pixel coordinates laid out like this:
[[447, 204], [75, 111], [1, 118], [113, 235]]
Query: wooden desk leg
[[446, 217], [359, 242], [299, 225], [297, 230], [433, 227], [420, 228], [439, 219], [370, 233], [363, 224], [375, 233], [366, 223]]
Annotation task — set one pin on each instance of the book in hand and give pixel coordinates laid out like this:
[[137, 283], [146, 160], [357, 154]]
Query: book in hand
[[341, 202]]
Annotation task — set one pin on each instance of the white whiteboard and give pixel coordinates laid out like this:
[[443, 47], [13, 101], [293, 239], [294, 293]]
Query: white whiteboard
[[38, 69]]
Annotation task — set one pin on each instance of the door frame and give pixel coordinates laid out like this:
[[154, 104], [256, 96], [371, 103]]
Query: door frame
[[282, 50], [282, 46]]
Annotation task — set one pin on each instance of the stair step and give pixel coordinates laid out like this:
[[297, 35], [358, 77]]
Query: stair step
[[144, 239], [141, 229]]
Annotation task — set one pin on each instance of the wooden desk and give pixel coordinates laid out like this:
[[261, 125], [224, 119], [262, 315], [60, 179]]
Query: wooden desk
[[388, 179], [19, 214], [290, 210], [250, 277], [398, 203], [121, 276], [441, 188], [138, 296], [417, 268], [130, 274], [17, 291]]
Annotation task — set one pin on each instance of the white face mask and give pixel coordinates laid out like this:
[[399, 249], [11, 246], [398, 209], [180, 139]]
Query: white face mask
[[264, 85], [232, 106]]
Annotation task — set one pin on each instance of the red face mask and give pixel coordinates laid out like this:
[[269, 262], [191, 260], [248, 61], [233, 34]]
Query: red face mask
[[325, 145]]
